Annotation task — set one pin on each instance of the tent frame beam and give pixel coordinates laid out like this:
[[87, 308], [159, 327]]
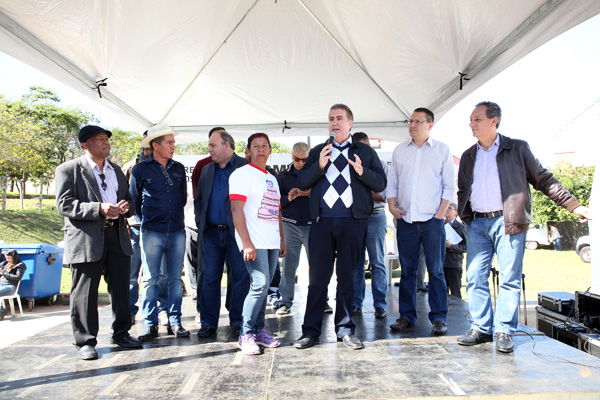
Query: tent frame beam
[[25, 36]]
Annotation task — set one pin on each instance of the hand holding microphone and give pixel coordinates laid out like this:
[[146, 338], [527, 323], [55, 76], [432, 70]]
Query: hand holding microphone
[[326, 151]]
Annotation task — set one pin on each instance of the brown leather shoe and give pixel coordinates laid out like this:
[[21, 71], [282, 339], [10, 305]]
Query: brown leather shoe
[[439, 328], [401, 324]]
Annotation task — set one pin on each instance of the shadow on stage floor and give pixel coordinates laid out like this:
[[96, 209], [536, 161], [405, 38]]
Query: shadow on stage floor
[[412, 364]]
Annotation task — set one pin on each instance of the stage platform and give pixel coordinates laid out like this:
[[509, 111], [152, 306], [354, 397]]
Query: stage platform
[[408, 365]]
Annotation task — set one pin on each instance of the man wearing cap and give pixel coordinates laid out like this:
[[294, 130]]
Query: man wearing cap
[[159, 190], [92, 195]]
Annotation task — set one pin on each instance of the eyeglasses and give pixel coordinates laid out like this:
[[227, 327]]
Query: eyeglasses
[[296, 159], [104, 186], [169, 181], [416, 121]]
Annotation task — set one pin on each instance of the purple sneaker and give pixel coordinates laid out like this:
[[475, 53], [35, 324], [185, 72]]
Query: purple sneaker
[[248, 345], [265, 339]]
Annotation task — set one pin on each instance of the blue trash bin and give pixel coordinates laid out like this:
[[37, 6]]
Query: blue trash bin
[[44, 270]]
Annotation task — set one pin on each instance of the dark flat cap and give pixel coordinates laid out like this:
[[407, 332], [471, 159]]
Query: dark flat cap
[[89, 131]]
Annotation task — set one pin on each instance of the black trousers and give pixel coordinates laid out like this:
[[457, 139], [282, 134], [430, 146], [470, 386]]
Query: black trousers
[[84, 291], [330, 240], [453, 281]]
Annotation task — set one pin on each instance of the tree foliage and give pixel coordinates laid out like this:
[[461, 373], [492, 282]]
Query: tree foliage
[[577, 180], [240, 148], [124, 146]]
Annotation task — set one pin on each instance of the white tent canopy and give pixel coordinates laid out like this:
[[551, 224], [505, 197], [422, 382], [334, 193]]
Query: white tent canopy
[[265, 64]]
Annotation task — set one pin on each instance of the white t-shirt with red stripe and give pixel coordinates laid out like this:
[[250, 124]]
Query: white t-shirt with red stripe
[[260, 191]]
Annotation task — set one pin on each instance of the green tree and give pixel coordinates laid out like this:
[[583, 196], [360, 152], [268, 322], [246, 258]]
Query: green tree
[[59, 123], [22, 146], [240, 148], [578, 181], [276, 147], [124, 146], [191, 148]]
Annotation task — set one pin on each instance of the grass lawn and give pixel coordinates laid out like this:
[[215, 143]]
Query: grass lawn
[[545, 271]]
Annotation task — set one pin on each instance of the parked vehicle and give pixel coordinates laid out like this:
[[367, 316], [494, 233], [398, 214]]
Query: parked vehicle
[[537, 235], [584, 248]]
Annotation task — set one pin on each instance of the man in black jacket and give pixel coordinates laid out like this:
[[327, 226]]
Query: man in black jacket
[[342, 176], [453, 261]]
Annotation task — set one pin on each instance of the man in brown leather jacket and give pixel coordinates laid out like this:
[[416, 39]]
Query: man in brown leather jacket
[[494, 201]]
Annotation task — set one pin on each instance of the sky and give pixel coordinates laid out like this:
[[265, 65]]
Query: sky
[[551, 98]]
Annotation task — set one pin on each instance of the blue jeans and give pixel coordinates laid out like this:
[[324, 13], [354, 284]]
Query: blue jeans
[[135, 266], [155, 246], [374, 243], [485, 237], [295, 237], [557, 245], [7, 290], [216, 244], [261, 273], [432, 236]]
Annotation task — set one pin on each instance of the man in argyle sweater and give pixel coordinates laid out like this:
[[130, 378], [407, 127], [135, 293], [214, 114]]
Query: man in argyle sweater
[[342, 176]]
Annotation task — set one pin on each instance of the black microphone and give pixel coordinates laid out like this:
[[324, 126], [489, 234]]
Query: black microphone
[[330, 139]]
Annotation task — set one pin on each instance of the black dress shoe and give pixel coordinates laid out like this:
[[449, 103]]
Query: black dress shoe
[[206, 331], [356, 310], [3, 312], [328, 309], [473, 337], [352, 342], [424, 290], [87, 352], [439, 328], [178, 331], [150, 332], [127, 342], [504, 342], [380, 312], [305, 342], [401, 325]]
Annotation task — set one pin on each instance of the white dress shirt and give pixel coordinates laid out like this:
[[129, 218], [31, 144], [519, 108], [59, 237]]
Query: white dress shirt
[[420, 177], [486, 195]]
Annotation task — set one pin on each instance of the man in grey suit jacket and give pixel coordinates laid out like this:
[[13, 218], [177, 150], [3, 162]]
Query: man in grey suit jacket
[[212, 210], [92, 194]]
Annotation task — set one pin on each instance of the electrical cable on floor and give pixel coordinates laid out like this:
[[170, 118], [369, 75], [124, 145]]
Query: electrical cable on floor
[[557, 358]]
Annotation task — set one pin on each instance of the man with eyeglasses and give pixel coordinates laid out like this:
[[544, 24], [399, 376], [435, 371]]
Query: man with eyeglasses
[[494, 201], [295, 214], [420, 187], [159, 190], [92, 195]]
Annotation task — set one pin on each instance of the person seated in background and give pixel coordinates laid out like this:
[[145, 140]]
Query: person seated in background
[[11, 272]]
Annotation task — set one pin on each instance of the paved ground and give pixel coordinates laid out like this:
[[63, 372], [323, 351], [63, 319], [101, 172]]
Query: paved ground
[[392, 365]]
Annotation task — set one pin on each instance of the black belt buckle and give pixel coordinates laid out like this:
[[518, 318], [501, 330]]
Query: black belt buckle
[[222, 227], [110, 222], [489, 214]]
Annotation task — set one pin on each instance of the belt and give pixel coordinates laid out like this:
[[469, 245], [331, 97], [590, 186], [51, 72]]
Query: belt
[[377, 210], [110, 223], [222, 227], [489, 214]]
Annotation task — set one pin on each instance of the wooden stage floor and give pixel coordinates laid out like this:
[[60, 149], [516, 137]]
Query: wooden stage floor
[[407, 365]]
